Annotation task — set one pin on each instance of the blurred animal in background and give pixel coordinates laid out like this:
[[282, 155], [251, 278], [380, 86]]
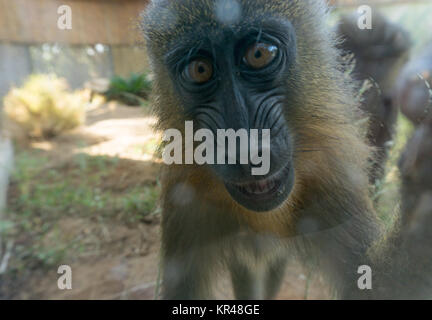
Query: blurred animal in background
[[413, 86], [416, 171], [414, 95], [379, 55]]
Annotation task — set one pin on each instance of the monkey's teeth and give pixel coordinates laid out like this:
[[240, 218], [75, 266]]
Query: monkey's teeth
[[258, 187], [263, 186], [251, 188], [271, 184]]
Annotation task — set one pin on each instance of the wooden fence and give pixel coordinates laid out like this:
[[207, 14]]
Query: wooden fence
[[30, 36], [110, 22]]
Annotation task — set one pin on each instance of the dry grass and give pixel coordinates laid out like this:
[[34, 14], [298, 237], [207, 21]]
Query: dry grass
[[43, 107]]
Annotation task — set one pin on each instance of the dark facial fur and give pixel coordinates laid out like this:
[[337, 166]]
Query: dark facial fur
[[237, 96]]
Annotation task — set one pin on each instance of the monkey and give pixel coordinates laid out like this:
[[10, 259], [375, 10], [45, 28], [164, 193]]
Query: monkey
[[379, 53], [416, 171], [413, 86], [268, 64]]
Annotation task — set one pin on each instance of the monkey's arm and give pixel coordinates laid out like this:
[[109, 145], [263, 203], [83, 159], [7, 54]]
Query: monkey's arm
[[188, 255], [194, 232]]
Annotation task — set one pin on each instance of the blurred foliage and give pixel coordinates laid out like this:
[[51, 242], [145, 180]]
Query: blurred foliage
[[387, 190], [131, 91], [44, 107]]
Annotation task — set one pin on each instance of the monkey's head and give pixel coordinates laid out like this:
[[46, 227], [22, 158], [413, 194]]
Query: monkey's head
[[416, 161], [380, 52], [237, 64], [412, 88]]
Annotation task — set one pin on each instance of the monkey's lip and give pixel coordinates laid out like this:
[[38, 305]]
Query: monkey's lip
[[258, 188], [264, 188]]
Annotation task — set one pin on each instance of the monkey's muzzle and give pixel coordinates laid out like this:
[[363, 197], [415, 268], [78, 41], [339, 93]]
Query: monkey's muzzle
[[264, 194]]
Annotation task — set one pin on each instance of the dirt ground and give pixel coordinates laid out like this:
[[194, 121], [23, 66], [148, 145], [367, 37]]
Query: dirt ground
[[120, 260]]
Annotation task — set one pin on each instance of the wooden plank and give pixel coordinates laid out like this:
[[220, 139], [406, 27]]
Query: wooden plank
[[93, 21]]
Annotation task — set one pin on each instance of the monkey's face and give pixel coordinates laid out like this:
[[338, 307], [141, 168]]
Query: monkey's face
[[233, 75], [234, 79]]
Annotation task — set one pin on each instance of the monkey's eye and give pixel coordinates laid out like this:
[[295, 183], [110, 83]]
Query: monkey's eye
[[199, 71], [260, 55]]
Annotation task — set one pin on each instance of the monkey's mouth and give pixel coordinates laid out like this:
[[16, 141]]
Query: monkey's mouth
[[265, 194], [261, 188]]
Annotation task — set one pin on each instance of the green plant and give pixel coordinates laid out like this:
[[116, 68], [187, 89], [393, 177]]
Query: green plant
[[44, 107], [139, 203], [131, 91]]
